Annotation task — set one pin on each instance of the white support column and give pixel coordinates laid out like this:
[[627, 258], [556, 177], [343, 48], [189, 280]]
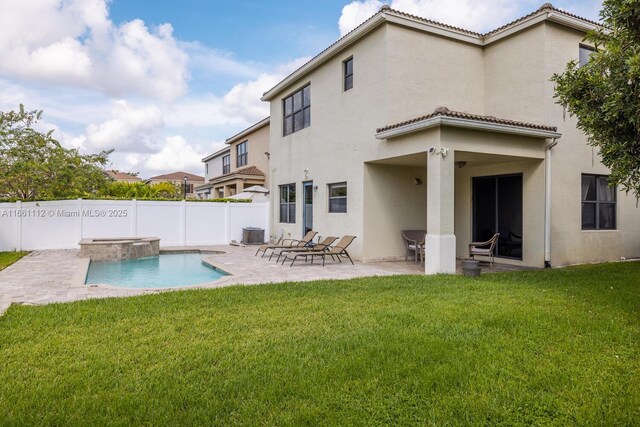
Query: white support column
[[19, 219], [440, 250], [183, 223], [227, 223], [80, 219], [134, 218]]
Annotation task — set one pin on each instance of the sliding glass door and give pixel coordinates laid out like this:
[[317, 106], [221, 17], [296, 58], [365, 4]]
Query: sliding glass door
[[497, 208]]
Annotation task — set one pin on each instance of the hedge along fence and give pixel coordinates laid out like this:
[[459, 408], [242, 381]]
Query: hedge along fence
[[61, 224]]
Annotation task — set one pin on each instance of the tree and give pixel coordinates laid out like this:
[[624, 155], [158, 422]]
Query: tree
[[604, 93], [140, 190], [35, 166]]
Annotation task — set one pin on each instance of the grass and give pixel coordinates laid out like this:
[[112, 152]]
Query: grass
[[546, 347], [8, 258]]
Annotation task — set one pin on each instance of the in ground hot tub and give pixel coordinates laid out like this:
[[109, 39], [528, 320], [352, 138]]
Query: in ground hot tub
[[119, 249]]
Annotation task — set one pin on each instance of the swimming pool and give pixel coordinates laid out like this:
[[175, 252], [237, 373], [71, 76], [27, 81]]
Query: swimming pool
[[163, 271]]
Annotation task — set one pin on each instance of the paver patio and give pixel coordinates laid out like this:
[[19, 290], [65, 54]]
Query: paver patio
[[53, 276]]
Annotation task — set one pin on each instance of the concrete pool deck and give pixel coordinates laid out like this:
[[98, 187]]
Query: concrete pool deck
[[55, 276]]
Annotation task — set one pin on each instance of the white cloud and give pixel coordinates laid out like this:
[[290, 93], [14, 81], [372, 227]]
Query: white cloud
[[480, 16], [75, 44], [176, 154], [243, 100], [356, 13], [129, 129], [219, 62]]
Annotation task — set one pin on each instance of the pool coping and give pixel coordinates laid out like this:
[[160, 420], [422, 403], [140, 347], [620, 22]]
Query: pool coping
[[79, 278]]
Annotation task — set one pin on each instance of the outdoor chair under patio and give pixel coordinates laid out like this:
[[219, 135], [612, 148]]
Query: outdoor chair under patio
[[413, 241], [484, 248], [338, 252], [287, 243], [322, 245]]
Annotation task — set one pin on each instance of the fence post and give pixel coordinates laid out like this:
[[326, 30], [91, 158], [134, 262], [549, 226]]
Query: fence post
[[227, 223], [134, 218], [18, 209], [79, 219], [183, 223], [267, 227]]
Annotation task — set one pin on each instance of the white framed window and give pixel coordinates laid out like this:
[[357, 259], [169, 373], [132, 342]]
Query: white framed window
[[288, 203], [584, 54], [297, 111], [347, 68], [338, 197], [598, 203]]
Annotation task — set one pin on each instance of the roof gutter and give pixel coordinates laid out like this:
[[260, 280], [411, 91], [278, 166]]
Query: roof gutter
[[468, 124]]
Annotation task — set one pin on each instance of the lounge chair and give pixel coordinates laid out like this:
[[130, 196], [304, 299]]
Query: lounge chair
[[322, 245], [287, 243], [335, 252], [413, 241], [484, 248]]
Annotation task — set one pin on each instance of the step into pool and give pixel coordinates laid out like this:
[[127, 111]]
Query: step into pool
[[163, 271]]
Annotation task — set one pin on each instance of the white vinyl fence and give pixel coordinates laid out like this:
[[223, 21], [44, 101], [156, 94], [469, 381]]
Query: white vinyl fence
[[61, 224]]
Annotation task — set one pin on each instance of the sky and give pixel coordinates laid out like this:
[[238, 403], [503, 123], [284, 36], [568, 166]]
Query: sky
[[164, 82]]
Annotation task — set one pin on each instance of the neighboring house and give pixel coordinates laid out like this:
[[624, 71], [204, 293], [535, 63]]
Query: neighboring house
[[214, 165], [244, 163], [123, 176], [178, 178], [362, 144]]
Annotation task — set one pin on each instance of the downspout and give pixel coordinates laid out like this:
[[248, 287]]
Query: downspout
[[547, 203]]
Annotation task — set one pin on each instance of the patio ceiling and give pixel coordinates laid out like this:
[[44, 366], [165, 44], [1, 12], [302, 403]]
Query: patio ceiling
[[472, 159]]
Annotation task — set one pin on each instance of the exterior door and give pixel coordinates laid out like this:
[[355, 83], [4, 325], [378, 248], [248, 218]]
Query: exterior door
[[307, 212], [497, 208]]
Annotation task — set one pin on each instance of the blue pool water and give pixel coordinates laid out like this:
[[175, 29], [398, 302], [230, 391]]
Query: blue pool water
[[164, 271]]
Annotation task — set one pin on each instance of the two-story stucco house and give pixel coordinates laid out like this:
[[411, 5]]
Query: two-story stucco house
[[406, 123], [242, 164]]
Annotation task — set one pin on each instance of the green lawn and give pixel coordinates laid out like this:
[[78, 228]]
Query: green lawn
[[8, 258], [547, 347]]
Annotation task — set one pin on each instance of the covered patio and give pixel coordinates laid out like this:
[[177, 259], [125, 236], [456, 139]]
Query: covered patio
[[461, 178]]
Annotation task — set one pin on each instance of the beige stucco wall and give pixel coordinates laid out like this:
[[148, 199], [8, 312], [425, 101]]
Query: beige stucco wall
[[332, 148], [428, 71], [401, 73], [571, 158], [393, 202], [257, 145], [215, 167]]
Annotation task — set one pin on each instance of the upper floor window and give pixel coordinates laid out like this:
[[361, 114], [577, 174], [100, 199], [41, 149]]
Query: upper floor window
[[288, 203], [598, 203], [338, 197], [585, 54], [347, 67], [241, 150], [297, 111], [206, 168], [226, 164]]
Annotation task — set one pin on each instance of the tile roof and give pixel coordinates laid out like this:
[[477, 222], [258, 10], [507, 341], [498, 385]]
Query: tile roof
[[179, 176], [249, 170], [547, 7], [387, 8], [445, 112], [123, 176]]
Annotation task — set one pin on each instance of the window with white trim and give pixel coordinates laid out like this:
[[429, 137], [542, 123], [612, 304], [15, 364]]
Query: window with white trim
[[226, 164], [241, 151], [338, 197], [297, 111], [598, 203], [584, 54], [347, 67], [288, 203]]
